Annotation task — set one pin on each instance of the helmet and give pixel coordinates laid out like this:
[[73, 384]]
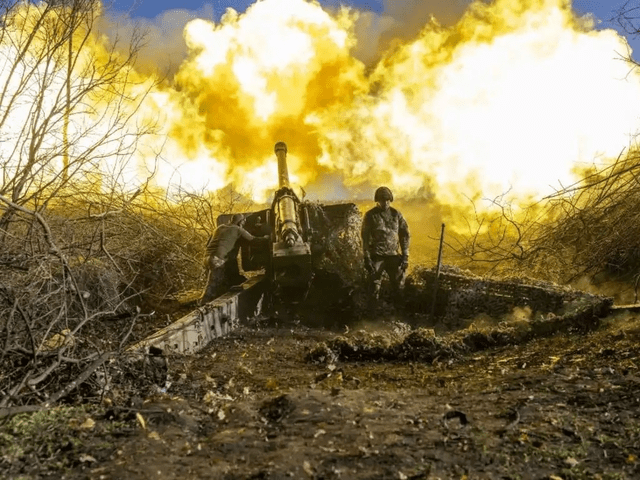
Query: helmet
[[237, 218], [383, 193]]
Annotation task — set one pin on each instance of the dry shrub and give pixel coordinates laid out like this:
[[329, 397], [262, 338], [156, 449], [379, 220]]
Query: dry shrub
[[78, 273], [596, 223], [583, 231]]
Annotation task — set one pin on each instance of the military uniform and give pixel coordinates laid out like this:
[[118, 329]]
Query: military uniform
[[222, 260], [385, 242]]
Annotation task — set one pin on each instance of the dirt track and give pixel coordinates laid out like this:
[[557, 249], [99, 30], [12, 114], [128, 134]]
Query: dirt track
[[252, 406]]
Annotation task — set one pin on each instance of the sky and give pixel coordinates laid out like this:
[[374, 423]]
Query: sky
[[603, 11]]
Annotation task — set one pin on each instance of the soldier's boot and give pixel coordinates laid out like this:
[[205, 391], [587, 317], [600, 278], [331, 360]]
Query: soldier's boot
[[207, 295]]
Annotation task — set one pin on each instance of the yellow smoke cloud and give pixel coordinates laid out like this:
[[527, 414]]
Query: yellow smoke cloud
[[515, 95], [254, 79]]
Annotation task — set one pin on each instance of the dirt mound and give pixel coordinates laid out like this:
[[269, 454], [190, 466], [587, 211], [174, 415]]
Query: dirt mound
[[423, 344]]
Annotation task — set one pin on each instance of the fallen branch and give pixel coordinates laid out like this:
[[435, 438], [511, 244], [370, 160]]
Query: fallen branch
[[10, 411]]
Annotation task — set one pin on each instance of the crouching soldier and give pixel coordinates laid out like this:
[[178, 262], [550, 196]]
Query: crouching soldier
[[385, 242], [222, 257]]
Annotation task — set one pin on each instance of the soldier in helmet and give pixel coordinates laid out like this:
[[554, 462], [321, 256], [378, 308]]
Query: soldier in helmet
[[222, 257], [385, 242]]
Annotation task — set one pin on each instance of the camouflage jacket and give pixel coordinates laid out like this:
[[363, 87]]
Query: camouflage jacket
[[224, 242], [385, 232]]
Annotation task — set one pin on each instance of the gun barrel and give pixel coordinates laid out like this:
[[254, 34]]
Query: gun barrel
[[283, 171], [287, 215], [286, 210]]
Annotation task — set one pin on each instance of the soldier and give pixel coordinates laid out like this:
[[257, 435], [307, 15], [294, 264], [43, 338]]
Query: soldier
[[222, 253], [385, 242]]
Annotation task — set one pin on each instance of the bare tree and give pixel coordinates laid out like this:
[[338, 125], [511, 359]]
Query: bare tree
[[67, 99], [69, 121], [627, 16], [82, 256]]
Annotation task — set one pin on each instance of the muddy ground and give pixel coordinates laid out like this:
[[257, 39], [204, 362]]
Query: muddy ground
[[253, 406]]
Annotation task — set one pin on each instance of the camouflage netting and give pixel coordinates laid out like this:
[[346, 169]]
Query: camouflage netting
[[425, 346], [463, 295], [336, 240]]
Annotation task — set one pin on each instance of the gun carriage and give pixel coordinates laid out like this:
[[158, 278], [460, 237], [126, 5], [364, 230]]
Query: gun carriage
[[300, 234]]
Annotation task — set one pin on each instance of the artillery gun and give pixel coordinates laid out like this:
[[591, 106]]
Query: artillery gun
[[307, 240]]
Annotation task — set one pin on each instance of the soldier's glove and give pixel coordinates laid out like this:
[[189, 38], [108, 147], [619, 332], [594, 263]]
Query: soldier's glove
[[404, 263], [215, 262]]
